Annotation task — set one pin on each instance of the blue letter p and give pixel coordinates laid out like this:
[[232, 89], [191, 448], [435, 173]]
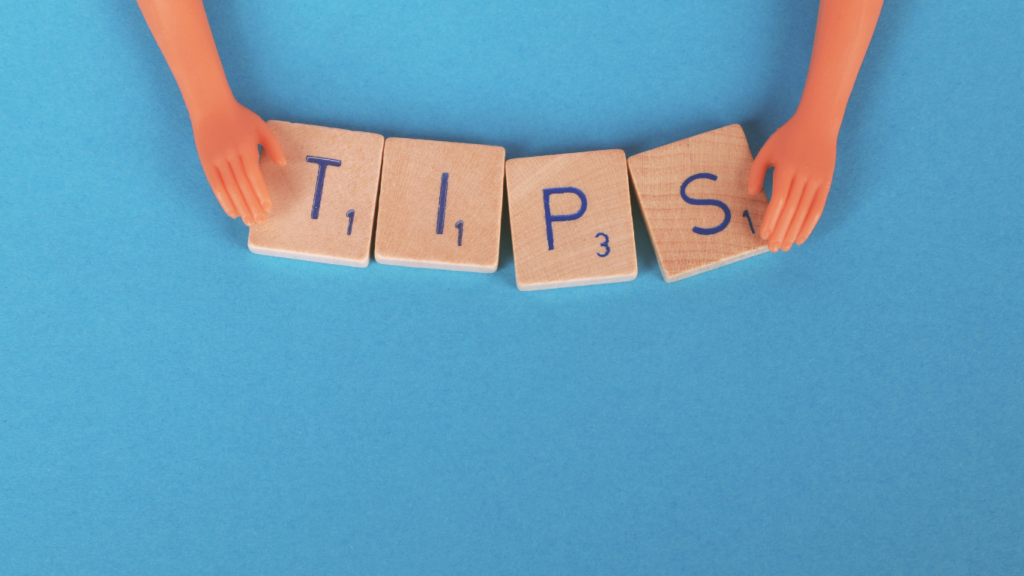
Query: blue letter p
[[548, 218]]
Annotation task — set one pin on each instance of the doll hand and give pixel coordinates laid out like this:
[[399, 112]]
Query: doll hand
[[227, 139], [804, 155]]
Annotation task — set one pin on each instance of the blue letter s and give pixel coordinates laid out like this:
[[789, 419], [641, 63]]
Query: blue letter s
[[698, 202]]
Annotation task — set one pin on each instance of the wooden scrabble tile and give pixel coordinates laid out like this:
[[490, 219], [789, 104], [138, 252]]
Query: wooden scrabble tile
[[693, 195], [440, 205], [571, 220], [324, 199]]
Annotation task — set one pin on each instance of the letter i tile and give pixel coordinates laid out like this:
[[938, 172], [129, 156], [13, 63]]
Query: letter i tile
[[324, 199], [440, 205], [572, 224]]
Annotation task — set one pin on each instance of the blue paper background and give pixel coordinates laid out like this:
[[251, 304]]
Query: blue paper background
[[172, 404]]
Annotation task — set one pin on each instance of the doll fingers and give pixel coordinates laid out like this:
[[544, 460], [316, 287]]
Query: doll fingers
[[235, 193], [780, 191], [801, 214], [252, 170], [792, 202], [248, 193], [813, 215], [213, 177]]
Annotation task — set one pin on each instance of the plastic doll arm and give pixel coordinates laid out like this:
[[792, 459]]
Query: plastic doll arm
[[803, 150], [227, 134]]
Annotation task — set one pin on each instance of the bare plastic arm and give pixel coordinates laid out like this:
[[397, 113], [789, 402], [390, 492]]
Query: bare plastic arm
[[227, 134], [803, 150]]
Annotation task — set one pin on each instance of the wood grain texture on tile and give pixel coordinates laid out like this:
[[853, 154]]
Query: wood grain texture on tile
[[349, 164], [440, 205], [713, 222], [571, 220]]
